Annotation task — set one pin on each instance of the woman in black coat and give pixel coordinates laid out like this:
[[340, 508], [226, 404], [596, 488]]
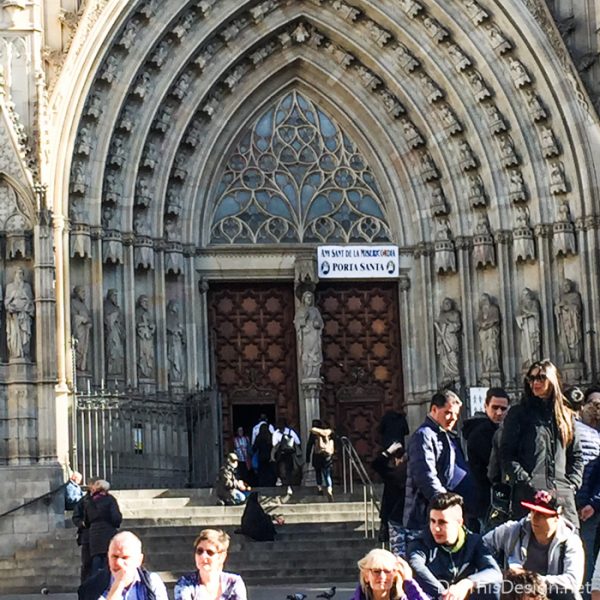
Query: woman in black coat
[[263, 447], [102, 518], [540, 449]]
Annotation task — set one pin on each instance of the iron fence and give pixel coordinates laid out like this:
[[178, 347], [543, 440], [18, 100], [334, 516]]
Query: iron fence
[[140, 441]]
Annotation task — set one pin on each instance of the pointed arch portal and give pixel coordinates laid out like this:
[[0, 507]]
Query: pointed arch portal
[[213, 142]]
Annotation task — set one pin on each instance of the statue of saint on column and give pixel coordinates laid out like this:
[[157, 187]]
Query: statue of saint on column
[[309, 328], [145, 329], [20, 309], [114, 334], [175, 342], [81, 324], [448, 327]]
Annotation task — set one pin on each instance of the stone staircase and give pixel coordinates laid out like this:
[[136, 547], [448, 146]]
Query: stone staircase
[[320, 542]]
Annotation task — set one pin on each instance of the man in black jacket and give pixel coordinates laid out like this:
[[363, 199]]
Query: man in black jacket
[[478, 433], [125, 576], [448, 561]]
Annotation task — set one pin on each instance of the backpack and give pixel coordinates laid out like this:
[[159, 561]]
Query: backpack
[[287, 444], [323, 444]]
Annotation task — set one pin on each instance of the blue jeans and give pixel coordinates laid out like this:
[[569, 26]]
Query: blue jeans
[[587, 532], [323, 467]]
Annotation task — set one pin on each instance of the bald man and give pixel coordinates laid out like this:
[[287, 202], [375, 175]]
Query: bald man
[[125, 578]]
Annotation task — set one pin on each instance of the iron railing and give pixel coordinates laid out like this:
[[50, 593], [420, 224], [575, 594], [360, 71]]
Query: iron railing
[[156, 441], [353, 469]]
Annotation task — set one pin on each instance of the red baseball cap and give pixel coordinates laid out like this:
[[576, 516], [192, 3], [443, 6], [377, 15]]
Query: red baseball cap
[[544, 502]]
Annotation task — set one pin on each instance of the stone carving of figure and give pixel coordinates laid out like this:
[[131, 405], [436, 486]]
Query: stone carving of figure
[[175, 341], [309, 327], [488, 325], [528, 321], [568, 311], [448, 327], [114, 334], [81, 324], [18, 303], [145, 328]]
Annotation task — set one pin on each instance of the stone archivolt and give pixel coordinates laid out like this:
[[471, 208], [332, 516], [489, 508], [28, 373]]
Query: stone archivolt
[[165, 104]]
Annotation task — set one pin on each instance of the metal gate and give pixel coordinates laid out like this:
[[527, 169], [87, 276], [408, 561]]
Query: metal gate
[[148, 442]]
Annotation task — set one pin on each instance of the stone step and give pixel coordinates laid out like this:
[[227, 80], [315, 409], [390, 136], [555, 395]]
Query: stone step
[[319, 542]]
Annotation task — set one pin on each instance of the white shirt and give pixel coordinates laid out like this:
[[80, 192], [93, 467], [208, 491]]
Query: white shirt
[[277, 435], [256, 429]]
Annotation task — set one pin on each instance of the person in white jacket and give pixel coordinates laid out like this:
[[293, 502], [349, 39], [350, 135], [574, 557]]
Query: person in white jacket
[[543, 542]]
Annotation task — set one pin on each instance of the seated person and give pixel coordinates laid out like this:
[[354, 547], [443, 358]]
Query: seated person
[[524, 585], [230, 489], [73, 491], [449, 561], [256, 523], [385, 576], [542, 542], [209, 581], [125, 576]]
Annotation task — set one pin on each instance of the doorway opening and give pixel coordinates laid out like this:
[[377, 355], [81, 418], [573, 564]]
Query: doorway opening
[[247, 416]]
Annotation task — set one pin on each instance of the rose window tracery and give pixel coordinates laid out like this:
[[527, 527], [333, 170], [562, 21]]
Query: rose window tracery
[[296, 177]]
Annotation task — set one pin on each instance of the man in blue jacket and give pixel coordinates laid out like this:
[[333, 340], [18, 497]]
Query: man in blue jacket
[[450, 562], [436, 462]]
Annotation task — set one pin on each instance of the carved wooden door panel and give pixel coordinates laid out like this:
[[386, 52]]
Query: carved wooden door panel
[[362, 366], [254, 347]]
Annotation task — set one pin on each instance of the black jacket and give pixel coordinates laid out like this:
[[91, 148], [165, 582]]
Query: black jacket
[[97, 584], [394, 484], [479, 448], [533, 457], [102, 518], [434, 565]]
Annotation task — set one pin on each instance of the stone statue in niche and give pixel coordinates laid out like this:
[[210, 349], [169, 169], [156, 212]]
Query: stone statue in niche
[[488, 327], [558, 183], [309, 328], [476, 191], [19, 307], [145, 329], [141, 224], [534, 104], [114, 334], [142, 85], [517, 191], [548, 142], [563, 239], [175, 342], [448, 326], [519, 73], [81, 325], [568, 311], [529, 321], [507, 151]]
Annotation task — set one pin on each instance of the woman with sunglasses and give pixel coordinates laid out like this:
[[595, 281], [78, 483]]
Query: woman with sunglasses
[[209, 581], [385, 576], [540, 448]]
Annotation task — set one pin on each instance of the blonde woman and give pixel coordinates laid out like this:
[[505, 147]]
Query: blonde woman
[[209, 581], [385, 576], [539, 448]]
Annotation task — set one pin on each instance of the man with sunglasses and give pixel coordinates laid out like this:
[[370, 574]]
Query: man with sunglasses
[[478, 433], [125, 579]]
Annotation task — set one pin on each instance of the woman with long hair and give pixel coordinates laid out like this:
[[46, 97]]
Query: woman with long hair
[[385, 576], [540, 449], [209, 581]]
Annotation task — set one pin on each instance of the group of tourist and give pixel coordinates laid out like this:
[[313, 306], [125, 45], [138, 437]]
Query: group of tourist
[[515, 499], [274, 456]]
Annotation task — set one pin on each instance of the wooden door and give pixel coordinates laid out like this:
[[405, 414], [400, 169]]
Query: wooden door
[[254, 348], [362, 366]]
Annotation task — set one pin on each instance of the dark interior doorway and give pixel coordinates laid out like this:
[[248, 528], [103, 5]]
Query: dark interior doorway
[[247, 415]]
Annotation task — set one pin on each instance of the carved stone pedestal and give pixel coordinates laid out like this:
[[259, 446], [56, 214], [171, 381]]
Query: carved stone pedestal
[[492, 379], [309, 410]]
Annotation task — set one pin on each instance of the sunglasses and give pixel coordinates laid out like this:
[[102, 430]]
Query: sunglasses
[[207, 551], [538, 377], [381, 571]]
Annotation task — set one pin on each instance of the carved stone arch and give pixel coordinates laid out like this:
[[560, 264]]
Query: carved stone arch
[[356, 117], [24, 198]]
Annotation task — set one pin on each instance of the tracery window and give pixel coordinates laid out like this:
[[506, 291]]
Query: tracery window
[[296, 177]]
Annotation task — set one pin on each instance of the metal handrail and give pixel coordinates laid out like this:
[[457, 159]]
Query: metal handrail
[[46, 497], [352, 464]]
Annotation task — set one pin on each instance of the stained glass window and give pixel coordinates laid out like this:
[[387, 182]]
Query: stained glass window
[[296, 177]]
